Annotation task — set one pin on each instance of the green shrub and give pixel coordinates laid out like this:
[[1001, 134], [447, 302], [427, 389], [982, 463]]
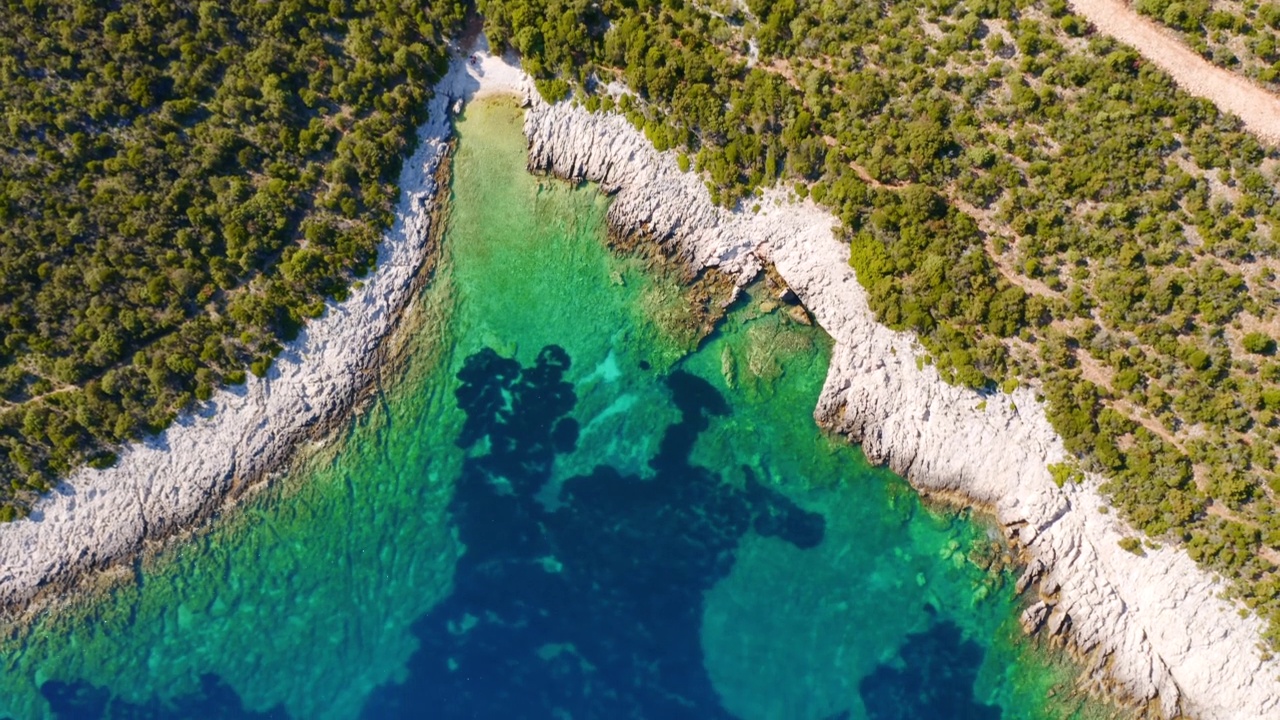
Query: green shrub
[[1259, 343], [1133, 545], [260, 366], [1063, 473], [169, 198]]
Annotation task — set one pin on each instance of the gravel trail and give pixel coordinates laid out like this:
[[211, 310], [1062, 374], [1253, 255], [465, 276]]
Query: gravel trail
[[1231, 93]]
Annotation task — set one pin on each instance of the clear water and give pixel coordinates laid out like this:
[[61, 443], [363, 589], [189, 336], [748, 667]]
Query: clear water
[[555, 510]]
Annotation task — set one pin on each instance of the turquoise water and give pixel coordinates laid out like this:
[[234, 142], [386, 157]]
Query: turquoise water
[[557, 510]]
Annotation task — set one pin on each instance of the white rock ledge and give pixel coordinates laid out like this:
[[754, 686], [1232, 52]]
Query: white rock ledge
[[97, 517], [1154, 626], [162, 485]]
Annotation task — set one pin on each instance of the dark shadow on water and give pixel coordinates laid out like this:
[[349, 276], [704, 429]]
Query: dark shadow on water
[[933, 680], [213, 701], [592, 610]]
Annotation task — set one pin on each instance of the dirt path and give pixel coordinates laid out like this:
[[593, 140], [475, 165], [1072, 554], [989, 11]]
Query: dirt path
[[1258, 108]]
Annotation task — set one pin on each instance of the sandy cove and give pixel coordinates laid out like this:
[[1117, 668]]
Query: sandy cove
[[164, 485], [1153, 628]]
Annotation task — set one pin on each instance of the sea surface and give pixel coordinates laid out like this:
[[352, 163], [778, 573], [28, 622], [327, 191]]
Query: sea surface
[[557, 508]]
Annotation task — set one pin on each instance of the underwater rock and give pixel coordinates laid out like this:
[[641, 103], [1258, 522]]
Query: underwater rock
[[799, 314], [933, 678], [215, 700], [592, 609]]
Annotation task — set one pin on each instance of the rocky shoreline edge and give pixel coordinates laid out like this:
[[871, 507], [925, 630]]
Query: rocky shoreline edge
[[1151, 630], [162, 487]]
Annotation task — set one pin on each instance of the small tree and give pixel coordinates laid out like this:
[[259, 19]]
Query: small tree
[[1259, 343]]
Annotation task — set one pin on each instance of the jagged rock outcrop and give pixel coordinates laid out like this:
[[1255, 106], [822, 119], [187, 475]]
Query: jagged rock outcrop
[[1034, 616], [1154, 626], [679, 218]]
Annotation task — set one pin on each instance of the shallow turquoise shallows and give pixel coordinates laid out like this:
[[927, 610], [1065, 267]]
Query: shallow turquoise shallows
[[555, 510]]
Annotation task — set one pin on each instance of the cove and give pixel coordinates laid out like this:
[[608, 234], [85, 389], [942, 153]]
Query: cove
[[557, 507]]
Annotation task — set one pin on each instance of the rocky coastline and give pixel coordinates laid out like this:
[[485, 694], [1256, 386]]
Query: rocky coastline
[[1151, 630], [165, 485]]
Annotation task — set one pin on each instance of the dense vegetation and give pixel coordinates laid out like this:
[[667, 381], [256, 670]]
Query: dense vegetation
[[1037, 203], [1242, 36], [182, 184]]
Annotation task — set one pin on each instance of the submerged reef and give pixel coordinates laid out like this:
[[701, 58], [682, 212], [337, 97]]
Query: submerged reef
[[588, 603], [934, 680], [213, 701]]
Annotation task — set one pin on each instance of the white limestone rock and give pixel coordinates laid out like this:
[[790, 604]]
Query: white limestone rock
[[1156, 626], [159, 486]]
